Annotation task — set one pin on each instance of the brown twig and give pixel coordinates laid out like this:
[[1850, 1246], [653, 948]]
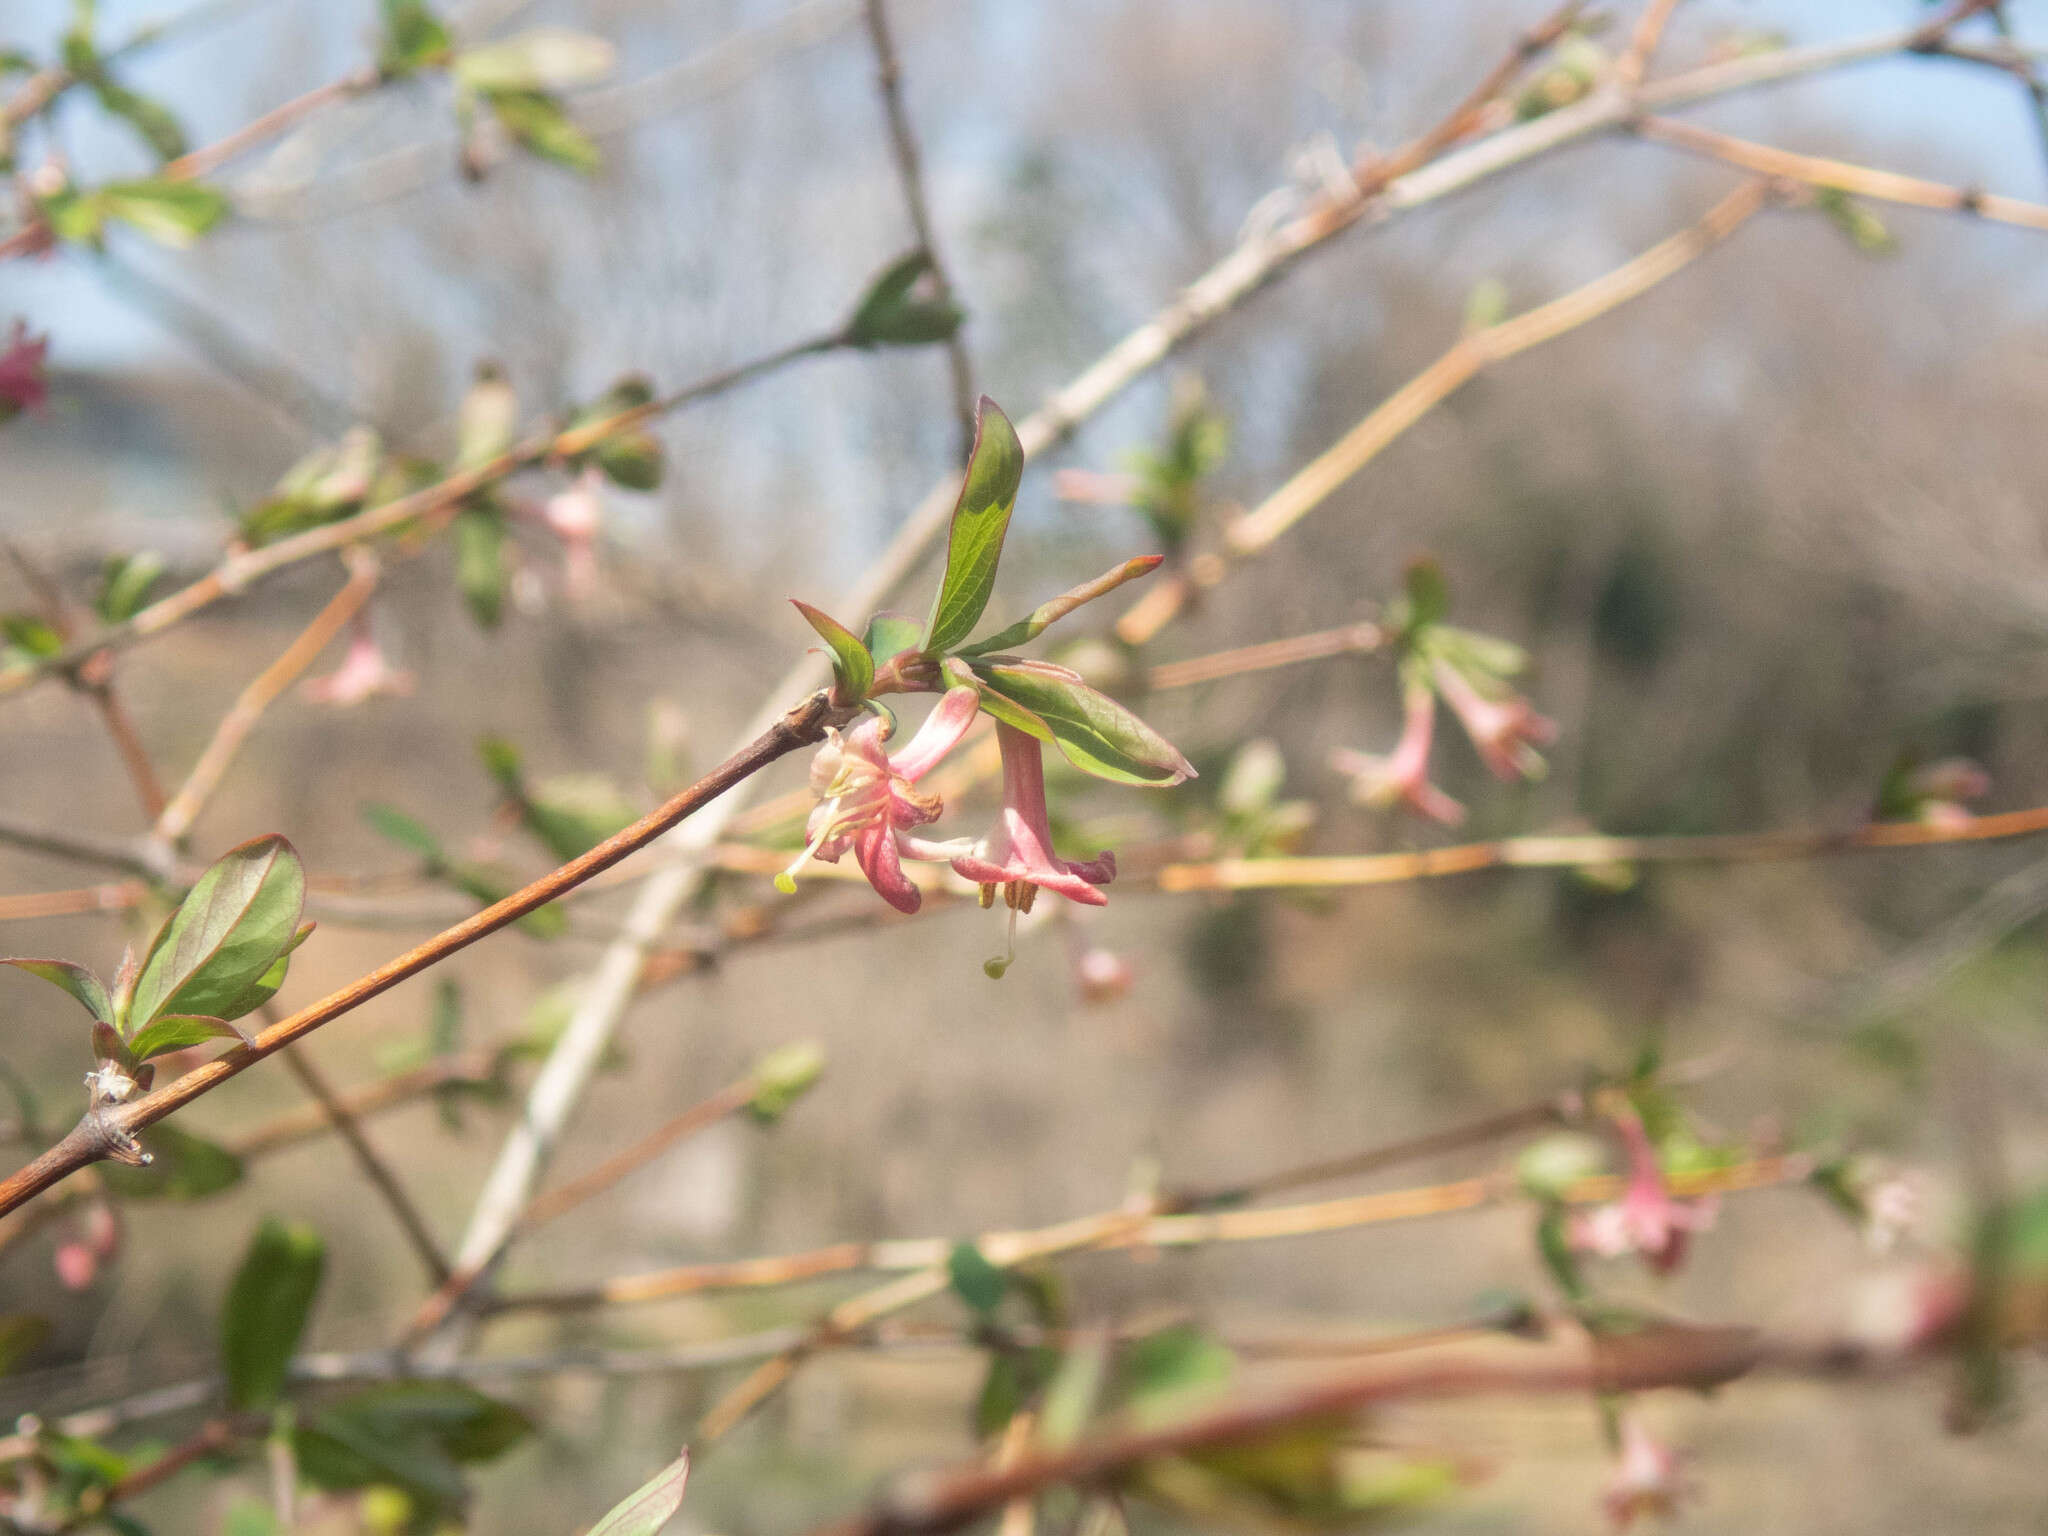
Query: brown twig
[[1642, 43], [910, 176], [238, 570], [1347, 640], [1571, 852], [176, 818], [545, 1207], [1694, 1358], [383, 1178], [1842, 176], [278, 120], [101, 1134], [471, 1069], [1471, 354]]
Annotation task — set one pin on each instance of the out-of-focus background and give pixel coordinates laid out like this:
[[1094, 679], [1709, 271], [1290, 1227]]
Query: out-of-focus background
[[1761, 531]]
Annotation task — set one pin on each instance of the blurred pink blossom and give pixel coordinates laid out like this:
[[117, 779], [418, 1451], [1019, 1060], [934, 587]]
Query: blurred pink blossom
[[1647, 1220], [1505, 732], [1647, 1478], [1402, 777], [364, 673]]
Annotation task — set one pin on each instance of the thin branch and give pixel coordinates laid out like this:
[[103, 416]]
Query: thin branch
[[278, 121], [383, 1178], [543, 1208], [1470, 355], [173, 825], [1693, 1358], [129, 856], [1642, 43], [1573, 852], [1842, 176], [239, 570], [910, 175], [1358, 639], [473, 1069], [104, 1132]]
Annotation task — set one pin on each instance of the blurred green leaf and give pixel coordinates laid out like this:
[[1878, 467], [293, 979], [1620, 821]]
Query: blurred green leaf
[[266, 1310], [481, 573], [185, 1167], [894, 313], [977, 1282], [981, 519], [174, 213], [538, 122], [413, 1435], [125, 581], [20, 1336], [889, 635], [783, 1076], [650, 1506], [395, 826], [1025, 630], [1165, 1372], [27, 633], [488, 419], [414, 39]]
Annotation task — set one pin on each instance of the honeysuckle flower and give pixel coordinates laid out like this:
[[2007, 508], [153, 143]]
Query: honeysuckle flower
[[1102, 975], [1505, 732], [1402, 777], [575, 515], [867, 798], [364, 673], [1016, 856], [1647, 1220], [1648, 1477], [22, 383]]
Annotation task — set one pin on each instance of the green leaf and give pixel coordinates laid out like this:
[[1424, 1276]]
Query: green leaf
[[1165, 1372], [1071, 1395], [974, 1280], [151, 119], [28, 633], [1429, 598], [20, 1336], [266, 1310], [570, 816], [892, 314], [124, 585], [185, 1167], [74, 978], [538, 122], [414, 39], [1097, 734], [891, 634], [503, 763], [174, 1031], [651, 1506], [176, 213], [782, 1077], [1015, 1377], [395, 826], [480, 571], [239, 917], [981, 518], [544, 59], [853, 667], [1046, 614], [487, 420], [414, 1435], [631, 460], [78, 218]]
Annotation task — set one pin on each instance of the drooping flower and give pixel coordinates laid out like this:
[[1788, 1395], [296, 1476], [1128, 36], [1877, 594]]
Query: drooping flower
[[1648, 1477], [1647, 1219], [364, 673], [23, 386], [1016, 856], [575, 515], [1505, 732], [1402, 777], [868, 799]]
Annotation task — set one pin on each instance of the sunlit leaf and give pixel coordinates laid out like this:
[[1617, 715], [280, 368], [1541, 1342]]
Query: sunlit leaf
[[74, 978], [981, 519], [240, 916], [853, 667], [650, 1506], [1094, 732]]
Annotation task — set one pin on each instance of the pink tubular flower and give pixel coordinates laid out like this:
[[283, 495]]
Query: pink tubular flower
[[1017, 852], [1402, 778], [1646, 1220], [1102, 975], [363, 674], [22, 385], [1505, 732], [575, 515], [1648, 1478], [867, 798]]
